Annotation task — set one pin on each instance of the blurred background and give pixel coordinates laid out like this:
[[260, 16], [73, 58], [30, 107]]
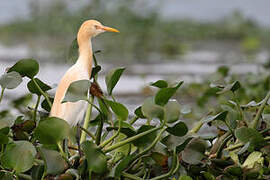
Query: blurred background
[[171, 40]]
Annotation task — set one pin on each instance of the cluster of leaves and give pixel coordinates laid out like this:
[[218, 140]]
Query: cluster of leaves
[[152, 143]]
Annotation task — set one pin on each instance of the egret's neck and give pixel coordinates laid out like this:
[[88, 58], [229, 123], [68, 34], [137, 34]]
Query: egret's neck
[[85, 53]]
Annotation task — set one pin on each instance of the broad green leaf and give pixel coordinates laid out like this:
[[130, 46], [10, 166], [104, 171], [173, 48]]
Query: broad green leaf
[[112, 78], [73, 53], [126, 129], [34, 89], [96, 160], [77, 91], [254, 157], [246, 135], [184, 177], [3, 138], [151, 110], [164, 94], [95, 71], [54, 162], [119, 109], [147, 139], [45, 105], [208, 176], [6, 175], [138, 112], [122, 165], [179, 129], [52, 130], [194, 151], [220, 116], [10, 80], [19, 156], [172, 111], [160, 84], [234, 170], [26, 67], [230, 87]]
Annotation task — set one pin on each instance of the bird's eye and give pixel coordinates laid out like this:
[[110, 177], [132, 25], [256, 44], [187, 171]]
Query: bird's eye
[[97, 27]]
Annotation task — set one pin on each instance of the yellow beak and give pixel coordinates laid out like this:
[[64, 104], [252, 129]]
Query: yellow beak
[[109, 29]]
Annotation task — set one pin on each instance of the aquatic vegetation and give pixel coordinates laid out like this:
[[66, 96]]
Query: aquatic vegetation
[[153, 142]]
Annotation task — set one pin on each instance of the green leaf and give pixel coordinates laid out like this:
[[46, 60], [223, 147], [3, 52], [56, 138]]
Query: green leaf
[[126, 129], [208, 176], [179, 129], [245, 135], [194, 151], [77, 91], [164, 94], [10, 80], [73, 53], [122, 165], [112, 78], [95, 71], [151, 110], [119, 109], [34, 89], [45, 105], [138, 112], [96, 160], [220, 116], [52, 130], [147, 139], [253, 158], [3, 138], [19, 156], [172, 111], [184, 177], [160, 84], [54, 162], [230, 87], [26, 67], [234, 170]]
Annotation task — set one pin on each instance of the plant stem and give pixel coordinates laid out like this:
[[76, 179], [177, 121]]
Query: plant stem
[[152, 145], [2, 93], [130, 176], [197, 127], [42, 92], [62, 152], [25, 176], [128, 140], [36, 107], [103, 144], [236, 146], [90, 174], [255, 121], [99, 131], [88, 133], [87, 119], [133, 120]]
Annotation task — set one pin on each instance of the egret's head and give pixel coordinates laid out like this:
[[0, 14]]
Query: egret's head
[[91, 28]]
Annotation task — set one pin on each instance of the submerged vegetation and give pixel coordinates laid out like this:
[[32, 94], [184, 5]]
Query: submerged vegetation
[[153, 142], [144, 34]]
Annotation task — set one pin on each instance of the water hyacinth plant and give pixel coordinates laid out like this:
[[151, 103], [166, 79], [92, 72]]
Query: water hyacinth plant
[[153, 142]]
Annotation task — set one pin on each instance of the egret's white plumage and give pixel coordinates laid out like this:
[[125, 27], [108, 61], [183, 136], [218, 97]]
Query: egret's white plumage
[[73, 112]]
